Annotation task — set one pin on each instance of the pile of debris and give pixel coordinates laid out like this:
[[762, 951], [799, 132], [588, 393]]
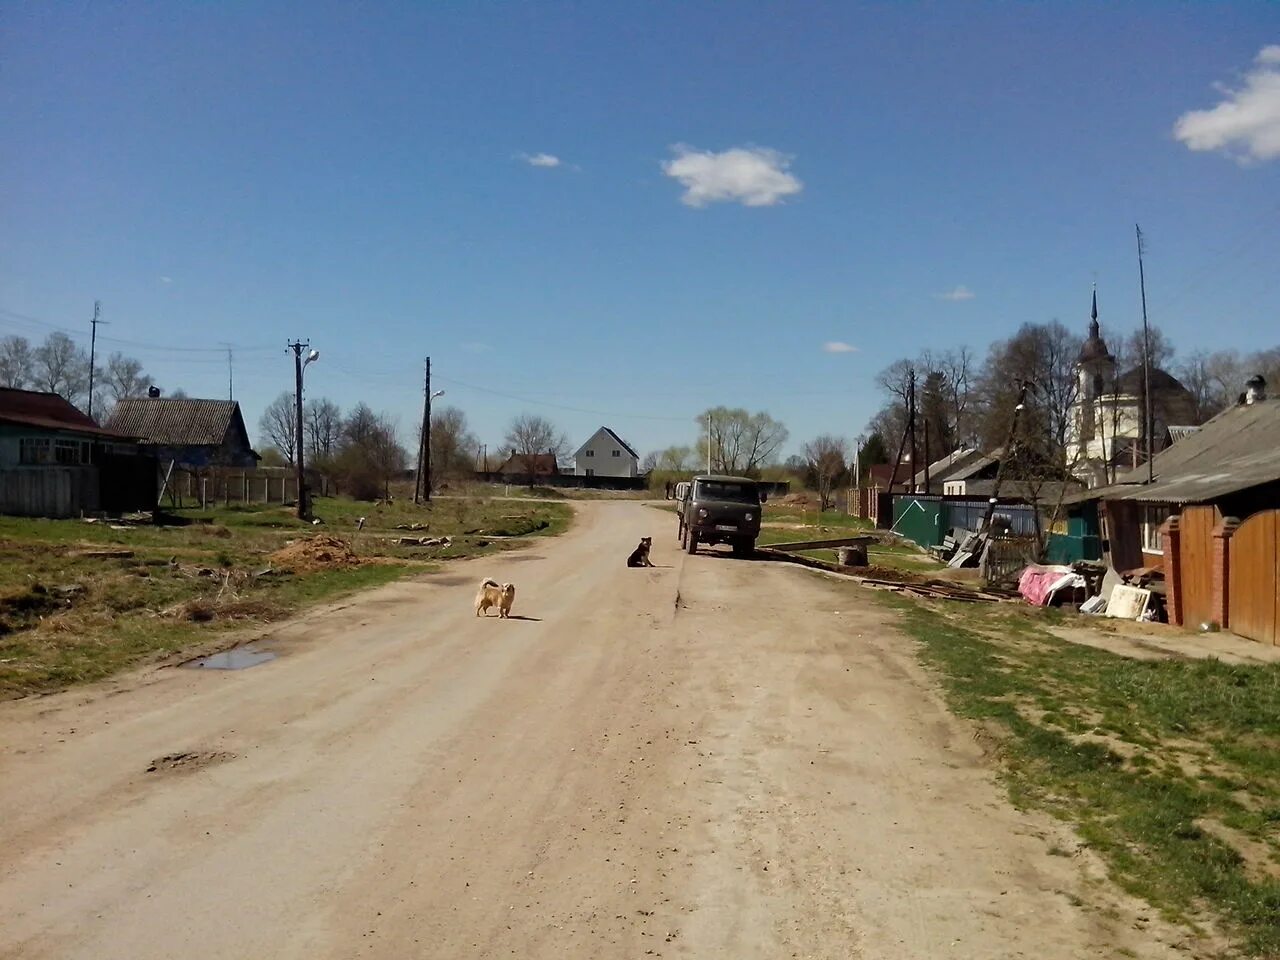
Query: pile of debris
[[320, 552], [1136, 595]]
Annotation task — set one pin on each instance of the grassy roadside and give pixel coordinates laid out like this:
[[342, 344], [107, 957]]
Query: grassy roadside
[[1170, 769], [80, 601]]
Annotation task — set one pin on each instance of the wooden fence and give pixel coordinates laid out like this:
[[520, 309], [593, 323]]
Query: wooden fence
[[208, 487], [1004, 559], [1195, 550], [47, 491], [1254, 578]]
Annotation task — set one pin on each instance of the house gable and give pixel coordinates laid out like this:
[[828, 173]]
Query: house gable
[[606, 454]]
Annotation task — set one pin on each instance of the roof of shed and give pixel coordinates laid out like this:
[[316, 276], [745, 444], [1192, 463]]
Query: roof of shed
[[176, 421]]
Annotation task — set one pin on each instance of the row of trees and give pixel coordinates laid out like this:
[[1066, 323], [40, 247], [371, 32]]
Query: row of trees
[[965, 401], [961, 401], [60, 365], [360, 450]]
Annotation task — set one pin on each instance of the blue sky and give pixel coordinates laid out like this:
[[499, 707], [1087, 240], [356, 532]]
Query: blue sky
[[372, 178]]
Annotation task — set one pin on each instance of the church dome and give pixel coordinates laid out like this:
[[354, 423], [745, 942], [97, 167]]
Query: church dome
[[1095, 348]]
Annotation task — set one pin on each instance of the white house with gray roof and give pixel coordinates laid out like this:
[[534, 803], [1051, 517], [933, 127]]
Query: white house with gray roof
[[606, 454]]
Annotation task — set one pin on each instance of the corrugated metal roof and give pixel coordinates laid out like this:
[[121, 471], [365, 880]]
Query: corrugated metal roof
[[50, 411], [1236, 450], [941, 470], [974, 464], [175, 422]]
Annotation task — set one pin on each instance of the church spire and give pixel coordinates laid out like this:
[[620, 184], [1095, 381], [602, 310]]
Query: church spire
[[1094, 348]]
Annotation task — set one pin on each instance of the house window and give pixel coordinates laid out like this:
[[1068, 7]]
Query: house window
[[34, 450], [1151, 519], [42, 451], [590, 472], [70, 452], [617, 453], [591, 453]]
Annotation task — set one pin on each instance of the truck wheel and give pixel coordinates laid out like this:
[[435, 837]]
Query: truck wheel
[[744, 548], [682, 533], [692, 545]]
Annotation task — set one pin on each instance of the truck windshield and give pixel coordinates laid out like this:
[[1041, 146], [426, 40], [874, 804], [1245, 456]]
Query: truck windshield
[[735, 492]]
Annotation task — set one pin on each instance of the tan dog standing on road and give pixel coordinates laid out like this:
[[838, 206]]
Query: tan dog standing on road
[[495, 594]]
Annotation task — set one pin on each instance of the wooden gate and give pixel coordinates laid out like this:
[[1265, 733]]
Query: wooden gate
[[1196, 525], [1254, 578]]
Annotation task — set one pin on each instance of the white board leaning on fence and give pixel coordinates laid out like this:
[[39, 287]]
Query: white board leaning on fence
[[1128, 603]]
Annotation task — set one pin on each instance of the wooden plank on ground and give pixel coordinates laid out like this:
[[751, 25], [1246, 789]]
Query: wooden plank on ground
[[821, 544]]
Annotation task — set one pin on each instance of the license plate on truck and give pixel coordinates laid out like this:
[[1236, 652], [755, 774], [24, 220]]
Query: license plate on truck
[[728, 528]]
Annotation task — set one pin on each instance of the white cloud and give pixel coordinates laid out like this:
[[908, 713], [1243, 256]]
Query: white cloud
[[166, 279], [752, 176], [838, 346], [541, 159], [955, 296], [1246, 124]]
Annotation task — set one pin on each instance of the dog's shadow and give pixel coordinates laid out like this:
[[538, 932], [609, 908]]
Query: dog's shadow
[[528, 619]]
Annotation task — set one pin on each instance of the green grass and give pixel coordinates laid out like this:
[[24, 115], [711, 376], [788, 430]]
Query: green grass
[[66, 617], [1148, 759]]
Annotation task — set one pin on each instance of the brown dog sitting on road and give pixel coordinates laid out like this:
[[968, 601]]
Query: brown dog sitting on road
[[640, 555], [495, 594]]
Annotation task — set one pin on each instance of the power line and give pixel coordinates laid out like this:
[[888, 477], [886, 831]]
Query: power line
[[15, 316], [560, 406]]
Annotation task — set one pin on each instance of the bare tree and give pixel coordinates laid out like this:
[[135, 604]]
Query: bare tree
[[826, 457], [278, 426], [1162, 350], [370, 456], [386, 456], [650, 462], [360, 426], [452, 444], [62, 367], [531, 436], [946, 385], [741, 442], [322, 421], [677, 459], [1045, 355], [17, 365], [124, 378]]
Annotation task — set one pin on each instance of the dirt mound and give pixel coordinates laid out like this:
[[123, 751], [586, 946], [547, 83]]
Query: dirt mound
[[887, 573], [315, 553]]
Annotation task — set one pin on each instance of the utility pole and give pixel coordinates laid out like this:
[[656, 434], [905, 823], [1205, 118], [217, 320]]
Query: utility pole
[[1005, 455], [424, 442], [708, 443], [1148, 417], [926, 456], [911, 425], [93, 349], [908, 429], [304, 508], [231, 374]]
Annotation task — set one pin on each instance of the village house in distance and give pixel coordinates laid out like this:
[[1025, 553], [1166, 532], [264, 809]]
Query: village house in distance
[[606, 454]]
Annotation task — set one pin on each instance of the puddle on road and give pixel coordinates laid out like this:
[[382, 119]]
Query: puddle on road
[[237, 659]]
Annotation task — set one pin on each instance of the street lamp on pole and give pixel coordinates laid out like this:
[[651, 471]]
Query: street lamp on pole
[[299, 364], [426, 446]]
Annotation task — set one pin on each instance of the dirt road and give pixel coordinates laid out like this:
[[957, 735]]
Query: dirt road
[[714, 758]]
